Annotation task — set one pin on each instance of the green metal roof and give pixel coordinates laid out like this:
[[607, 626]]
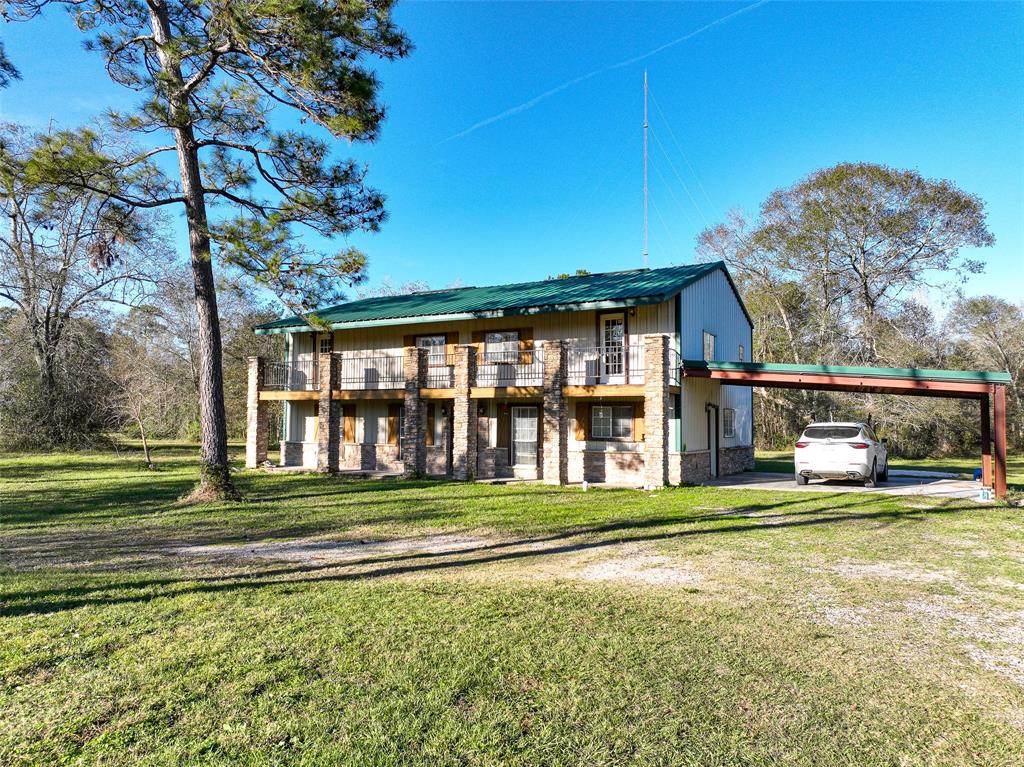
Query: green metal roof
[[591, 291], [919, 374]]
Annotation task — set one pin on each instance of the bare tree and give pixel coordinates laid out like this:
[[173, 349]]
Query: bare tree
[[66, 255]]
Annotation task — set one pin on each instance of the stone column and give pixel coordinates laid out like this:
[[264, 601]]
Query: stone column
[[464, 418], [656, 431], [414, 441], [556, 415], [328, 453], [256, 417]]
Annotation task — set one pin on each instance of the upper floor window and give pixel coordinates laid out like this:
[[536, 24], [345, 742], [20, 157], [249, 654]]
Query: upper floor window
[[728, 422], [435, 346], [709, 345], [501, 346], [742, 353], [612, 422]]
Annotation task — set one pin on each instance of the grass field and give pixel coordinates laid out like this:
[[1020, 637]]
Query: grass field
[[332, 622]]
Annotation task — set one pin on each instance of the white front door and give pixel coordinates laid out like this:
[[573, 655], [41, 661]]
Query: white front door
[[524, 436], [613, 346]]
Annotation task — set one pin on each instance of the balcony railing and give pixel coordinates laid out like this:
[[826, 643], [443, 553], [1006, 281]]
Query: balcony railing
[[586, 366], [303, 375], [511, 368], [675, 363], [617, 364], [440, 370], [380, 371]]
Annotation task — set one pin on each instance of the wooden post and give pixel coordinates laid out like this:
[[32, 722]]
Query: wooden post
[[986, 441], [999, 416]]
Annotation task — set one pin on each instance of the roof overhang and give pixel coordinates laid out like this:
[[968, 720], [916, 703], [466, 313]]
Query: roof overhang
[[962, 384], [582, 306]]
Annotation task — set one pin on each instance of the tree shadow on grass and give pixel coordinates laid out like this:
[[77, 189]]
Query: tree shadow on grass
[[767, 520]]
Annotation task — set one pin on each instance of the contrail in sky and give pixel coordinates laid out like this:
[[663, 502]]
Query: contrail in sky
[[576, 80]]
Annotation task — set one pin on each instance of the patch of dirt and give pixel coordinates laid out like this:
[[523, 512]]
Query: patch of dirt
[[890, 571], [1004, 583], [648, 569], [315, 552], [1002, 662]]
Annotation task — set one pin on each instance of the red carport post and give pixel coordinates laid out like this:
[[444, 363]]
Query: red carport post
[[986, 441], [999, 416]]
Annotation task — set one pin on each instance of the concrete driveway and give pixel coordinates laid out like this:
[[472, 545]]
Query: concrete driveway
[[898, 484]]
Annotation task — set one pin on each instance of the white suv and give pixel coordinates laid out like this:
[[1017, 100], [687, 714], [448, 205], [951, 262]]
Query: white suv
[[841, 451]]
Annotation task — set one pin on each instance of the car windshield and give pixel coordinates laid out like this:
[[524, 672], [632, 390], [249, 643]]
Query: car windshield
[[832, 432]]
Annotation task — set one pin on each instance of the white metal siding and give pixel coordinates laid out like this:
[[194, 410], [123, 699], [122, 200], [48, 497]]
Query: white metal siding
[[710, 305]]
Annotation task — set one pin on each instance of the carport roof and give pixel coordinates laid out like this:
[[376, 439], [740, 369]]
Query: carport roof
[[784, 370]]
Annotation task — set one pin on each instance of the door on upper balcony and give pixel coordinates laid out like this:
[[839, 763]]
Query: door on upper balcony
[[613, 347]]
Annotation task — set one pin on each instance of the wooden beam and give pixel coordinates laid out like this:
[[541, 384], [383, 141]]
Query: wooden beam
[[604, 390], [437, 393], [986, 441], [368, 394], [999, 417], [290, 395], [506, 392], [957, 389]]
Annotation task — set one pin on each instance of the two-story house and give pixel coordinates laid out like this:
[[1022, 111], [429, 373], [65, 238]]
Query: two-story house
[[562, 380]]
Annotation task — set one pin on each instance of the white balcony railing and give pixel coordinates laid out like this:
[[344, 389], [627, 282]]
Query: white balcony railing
[[300, 375], [511, 367], [360, 370], [440, 370], [616, 364]]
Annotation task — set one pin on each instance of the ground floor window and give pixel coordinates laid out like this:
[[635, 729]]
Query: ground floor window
[[728, 422], [612, 422], [524, 436]]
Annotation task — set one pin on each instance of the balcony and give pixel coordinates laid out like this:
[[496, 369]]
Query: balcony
[[510, 367], [360, 370], [303, 375], [605, 365], [440, 370]]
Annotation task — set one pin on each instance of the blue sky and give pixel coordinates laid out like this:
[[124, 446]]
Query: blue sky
[[743, 107]]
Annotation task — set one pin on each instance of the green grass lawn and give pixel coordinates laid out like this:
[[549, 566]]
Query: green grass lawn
[[690, 626]]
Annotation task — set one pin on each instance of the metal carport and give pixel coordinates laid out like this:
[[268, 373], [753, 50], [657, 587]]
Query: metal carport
[[988, 387]]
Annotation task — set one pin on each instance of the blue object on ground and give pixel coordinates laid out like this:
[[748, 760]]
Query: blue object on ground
[[977, 475]]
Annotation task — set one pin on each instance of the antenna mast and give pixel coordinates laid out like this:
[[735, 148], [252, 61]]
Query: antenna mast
[[645, 168]]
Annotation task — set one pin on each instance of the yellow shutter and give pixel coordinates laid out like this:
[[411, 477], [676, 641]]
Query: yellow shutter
[[582, 421]]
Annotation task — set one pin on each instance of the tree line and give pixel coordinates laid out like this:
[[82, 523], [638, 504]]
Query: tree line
[[863, 264]]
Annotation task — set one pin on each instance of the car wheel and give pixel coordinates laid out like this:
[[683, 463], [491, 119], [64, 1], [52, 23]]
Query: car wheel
[[801, 479], [872, 481], [884, 476]]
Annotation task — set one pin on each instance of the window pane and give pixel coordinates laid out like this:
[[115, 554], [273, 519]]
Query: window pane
[[729, 422], [602, 421], [709, 346], [502, 346], [832, 432], [623, 426]]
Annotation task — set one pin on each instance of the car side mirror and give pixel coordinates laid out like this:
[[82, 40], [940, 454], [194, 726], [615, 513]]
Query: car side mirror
[[885, 440]]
